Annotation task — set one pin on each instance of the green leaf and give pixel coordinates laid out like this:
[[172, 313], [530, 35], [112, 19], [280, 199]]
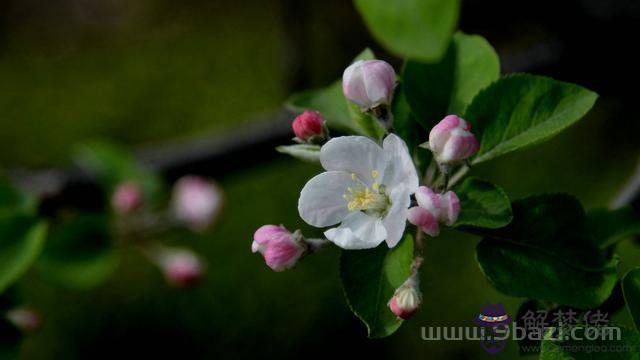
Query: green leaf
[[113, 165], [556, 223], [521, 110], [11, 199], [449, 86], [340, 114], [305, 152], [627, 348], [404, 121], [370, 277], [366, 54], [631, 291], [406, 126], [21, 240], [522, 272], [482, 204], [545, 253], [526, 345], [78, 253], [370, 126], [610, 226], [417, 29]]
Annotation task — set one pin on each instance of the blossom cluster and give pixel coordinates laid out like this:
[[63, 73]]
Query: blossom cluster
[[369, 190], [195, 204]]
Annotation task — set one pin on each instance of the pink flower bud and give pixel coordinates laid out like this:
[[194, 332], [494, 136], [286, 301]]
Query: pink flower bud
[[434, 209], [451, 140], [406, 300], [369, 83], [181, 267], [451, 208], [24, 318], [280, 248], [309, 126], [126, 198], [196, 201], [424, 219]]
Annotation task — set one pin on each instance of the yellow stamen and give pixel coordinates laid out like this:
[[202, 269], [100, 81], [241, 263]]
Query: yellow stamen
[[363, 197]]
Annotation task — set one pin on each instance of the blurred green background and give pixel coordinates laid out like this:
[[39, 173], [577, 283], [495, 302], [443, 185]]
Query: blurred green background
[[150, 72]]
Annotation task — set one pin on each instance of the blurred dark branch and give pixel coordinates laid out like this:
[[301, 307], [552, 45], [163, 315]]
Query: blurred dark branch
[[214, 154]]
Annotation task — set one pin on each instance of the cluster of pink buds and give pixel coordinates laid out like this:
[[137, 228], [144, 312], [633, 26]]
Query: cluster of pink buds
[[451, 141], [195, 203], [309, 127], [280, 248], [434, 209]]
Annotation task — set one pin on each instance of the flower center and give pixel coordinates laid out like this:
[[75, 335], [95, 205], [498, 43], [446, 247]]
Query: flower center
[[370, 199]]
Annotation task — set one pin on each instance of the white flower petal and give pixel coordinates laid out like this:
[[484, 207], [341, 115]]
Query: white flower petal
[[396, 219], [358, 231], [353, 85], [321, 200], [401, 170], [354, 154]]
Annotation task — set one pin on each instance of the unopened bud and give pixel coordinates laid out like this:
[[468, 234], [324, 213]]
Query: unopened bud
[[280, 248], [309, 127], [434, 209], [196, 201], [126, 198], [369, 83], [451, 140], [424, 219], [406, 300]]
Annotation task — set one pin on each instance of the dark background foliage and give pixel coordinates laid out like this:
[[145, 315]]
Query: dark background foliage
[[152, 72]]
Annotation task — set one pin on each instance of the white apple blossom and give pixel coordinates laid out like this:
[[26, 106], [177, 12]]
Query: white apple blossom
[[366, 188]]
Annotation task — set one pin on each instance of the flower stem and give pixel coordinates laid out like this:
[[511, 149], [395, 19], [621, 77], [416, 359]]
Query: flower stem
[[419, 246], [429, 175], [457, 177], [415, 265]]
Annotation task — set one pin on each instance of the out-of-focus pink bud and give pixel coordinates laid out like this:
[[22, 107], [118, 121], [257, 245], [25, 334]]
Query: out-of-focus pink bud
[[126, 198], [280, 248], [434, 209], [24, 318], [451, 140], [369, 83], [181, 267], [309, 127], [196, 201], [406, 300]]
